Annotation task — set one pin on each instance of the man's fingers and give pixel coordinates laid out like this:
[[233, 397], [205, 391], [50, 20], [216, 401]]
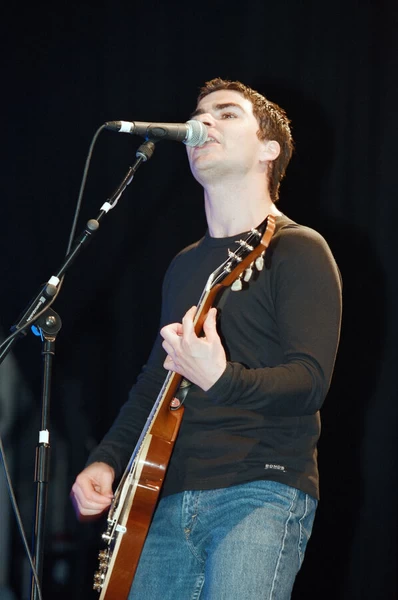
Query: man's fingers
[[168, 363], [171, 332], [167, 347], [89, 497], [210, 326], [187, 323]]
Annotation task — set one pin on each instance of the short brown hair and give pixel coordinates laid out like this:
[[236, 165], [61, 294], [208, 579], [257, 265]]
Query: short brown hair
[[273, 123]]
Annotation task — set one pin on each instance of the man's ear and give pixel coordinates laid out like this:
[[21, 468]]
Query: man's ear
[[270, 150]]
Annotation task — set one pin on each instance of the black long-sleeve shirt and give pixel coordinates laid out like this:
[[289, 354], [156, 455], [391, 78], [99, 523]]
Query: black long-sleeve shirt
[[260, 420]]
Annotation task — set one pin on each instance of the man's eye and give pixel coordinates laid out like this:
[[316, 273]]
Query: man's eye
[[228, 115]]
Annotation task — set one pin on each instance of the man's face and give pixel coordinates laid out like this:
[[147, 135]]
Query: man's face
[[233, 145]]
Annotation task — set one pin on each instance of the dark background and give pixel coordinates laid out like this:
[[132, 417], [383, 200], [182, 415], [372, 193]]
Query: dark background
[[67, 69]]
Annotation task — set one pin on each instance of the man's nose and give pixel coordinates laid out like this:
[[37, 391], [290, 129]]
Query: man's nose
[[207, 119]]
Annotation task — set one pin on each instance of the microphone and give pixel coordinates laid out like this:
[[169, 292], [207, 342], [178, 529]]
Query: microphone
[[191, 133]]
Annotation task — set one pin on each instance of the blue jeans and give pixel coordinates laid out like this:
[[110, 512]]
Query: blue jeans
[[243, 542]]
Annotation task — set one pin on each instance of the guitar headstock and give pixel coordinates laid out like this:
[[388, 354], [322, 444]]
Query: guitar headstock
[[248, 254]]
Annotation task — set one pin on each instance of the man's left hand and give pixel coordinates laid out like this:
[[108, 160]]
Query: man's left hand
[[201, 360]]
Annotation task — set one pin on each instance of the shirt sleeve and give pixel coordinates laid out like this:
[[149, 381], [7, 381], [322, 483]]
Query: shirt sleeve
[[119, 442], [306, 291]]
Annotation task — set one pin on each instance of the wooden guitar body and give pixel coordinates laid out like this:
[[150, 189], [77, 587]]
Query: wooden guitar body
[[138, 498]]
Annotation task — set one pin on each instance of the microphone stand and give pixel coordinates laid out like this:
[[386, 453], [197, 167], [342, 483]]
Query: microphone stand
[[47, 326], [46, 323]]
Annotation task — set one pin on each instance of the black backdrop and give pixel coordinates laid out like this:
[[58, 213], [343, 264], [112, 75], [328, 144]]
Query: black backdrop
[[69, 68]]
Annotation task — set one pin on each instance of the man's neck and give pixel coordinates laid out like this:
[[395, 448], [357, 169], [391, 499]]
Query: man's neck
[[231, 209]]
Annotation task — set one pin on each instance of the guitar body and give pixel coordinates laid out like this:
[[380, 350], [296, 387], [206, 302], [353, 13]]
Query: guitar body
[[137, 494], [141, 496]]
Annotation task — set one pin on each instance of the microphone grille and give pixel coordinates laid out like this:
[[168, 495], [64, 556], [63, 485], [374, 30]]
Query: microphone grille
[[197, 133]]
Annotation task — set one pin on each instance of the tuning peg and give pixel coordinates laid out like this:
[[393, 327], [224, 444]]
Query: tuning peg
[[248, 273], [233, 255], [245, 245], [259, 262], [237, 285], [256, 233]]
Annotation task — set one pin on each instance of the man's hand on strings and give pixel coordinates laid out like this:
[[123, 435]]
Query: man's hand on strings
[[201, 360], [92, 493]]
